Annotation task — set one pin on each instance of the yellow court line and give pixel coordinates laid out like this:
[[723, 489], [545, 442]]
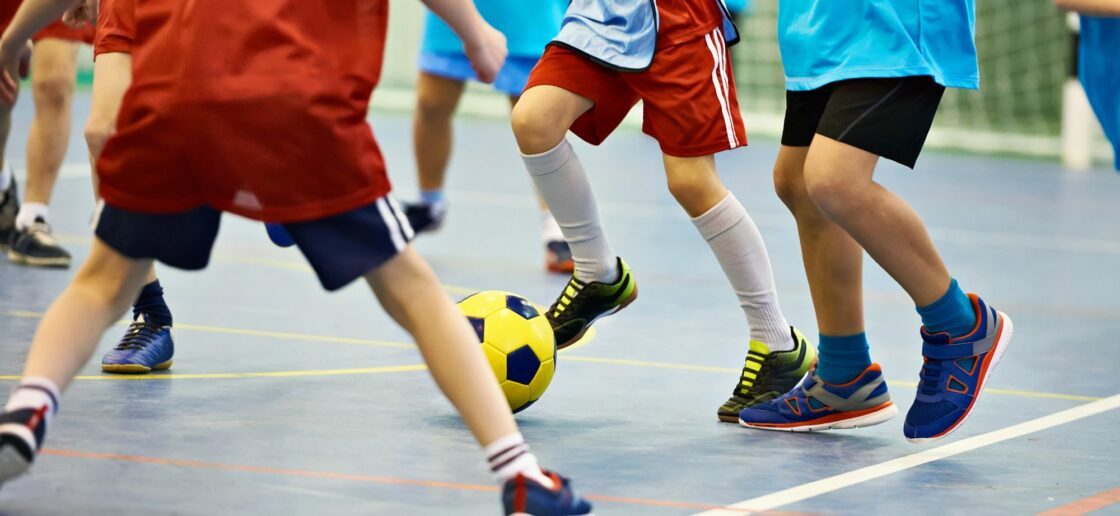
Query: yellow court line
[[574, 358], [263, 374]]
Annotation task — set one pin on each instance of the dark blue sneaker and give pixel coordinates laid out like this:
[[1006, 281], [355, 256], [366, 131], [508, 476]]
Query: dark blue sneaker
[[425, 218], [815, 405], [9, 208], [525, 497], [145, 347], [955, 373], [279, 235], [21, 435]]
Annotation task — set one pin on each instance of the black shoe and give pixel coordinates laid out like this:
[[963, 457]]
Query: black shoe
[[425, 218], [581, 304], [9, 208], [36, 247]]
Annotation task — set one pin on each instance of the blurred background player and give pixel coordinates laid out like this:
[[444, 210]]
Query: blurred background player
[[1098, 63], [841, 117], [258, 126], [444, 72], [148, 344], [673, 57], [54, 64]]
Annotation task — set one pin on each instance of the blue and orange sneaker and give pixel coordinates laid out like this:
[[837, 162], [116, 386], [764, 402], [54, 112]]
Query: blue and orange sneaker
[[955, 372], [816, 405], [524, 497], [279, 235], [145, 347]]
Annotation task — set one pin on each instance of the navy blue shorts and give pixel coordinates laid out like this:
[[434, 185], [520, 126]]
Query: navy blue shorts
[[341, 248]]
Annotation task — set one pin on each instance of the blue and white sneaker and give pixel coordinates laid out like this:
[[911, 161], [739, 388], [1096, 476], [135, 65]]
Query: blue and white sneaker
[[955, 373], [279, 235], [816, 405], [524, 497], [145, 347]]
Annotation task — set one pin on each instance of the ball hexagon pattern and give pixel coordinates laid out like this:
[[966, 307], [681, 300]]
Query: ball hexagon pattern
[[517, 341]]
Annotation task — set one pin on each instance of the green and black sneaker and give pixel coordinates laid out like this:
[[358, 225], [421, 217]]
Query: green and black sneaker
[[768, 375], [581, 304]]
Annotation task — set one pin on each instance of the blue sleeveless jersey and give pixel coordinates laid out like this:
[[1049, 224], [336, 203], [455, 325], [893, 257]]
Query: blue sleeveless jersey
[[527, 24], [824, 41], [1099, 69]]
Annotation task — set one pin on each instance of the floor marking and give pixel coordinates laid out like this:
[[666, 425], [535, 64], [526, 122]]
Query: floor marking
[[589, 337], [858, 476], [263, 374], [1086, 505], [349, 477]]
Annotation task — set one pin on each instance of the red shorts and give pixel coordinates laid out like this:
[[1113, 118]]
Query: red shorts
[[8, 10], [688, 95], [116, 27], [59, 30]]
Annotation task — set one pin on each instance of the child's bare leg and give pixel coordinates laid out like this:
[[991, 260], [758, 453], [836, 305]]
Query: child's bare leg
[[412, 295], [437, 98]]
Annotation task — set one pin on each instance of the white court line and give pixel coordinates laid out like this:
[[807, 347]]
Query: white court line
[[827, 485]]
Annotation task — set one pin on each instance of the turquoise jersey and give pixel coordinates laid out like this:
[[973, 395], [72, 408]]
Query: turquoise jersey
[[824, 41], [1099, 69], [527, 24]]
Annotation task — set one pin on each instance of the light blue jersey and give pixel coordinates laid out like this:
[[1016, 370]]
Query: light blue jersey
[[1099, 69], [824, 41], [623, 33], [527, 24]]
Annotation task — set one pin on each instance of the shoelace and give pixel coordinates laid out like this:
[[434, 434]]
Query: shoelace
[[930, 377], [565, 301], [140, 335], [759, 378], [42, 232]]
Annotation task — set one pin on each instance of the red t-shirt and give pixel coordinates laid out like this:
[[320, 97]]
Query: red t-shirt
[[684, 20], [253, 107], [116, 27]]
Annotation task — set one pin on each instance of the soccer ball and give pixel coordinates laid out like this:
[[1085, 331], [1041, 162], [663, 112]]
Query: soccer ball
[[518, 343]]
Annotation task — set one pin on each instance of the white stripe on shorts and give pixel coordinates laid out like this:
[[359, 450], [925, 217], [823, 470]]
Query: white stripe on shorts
[[717, 58], [406, 226], [391, 223], [721, 43]]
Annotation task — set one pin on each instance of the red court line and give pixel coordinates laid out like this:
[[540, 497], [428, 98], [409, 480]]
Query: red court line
[[1086, 505], [373, 479]]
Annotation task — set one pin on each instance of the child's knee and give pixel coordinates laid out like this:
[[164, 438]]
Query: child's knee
[[52, 92], [535, 130], [789, 184], [827, 188]]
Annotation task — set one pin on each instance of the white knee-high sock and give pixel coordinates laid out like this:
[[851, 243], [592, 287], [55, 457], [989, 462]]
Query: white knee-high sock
[[563, 184], [738, 246]]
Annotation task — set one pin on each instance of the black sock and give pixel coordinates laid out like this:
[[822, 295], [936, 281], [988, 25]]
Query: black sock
[[151, 304]]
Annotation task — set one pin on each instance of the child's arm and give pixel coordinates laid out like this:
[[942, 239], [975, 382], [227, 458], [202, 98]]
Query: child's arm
[[1091, 7], [32, 16], [485, 46]]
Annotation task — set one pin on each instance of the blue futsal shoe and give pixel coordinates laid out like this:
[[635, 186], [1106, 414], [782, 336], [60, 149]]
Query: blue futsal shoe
[[955, 373], [525, 497], [815, 405], [145, 347], [279, 235]]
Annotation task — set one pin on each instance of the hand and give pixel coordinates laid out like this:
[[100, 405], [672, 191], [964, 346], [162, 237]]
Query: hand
[[487, 53], [15, 63], [84, 12]]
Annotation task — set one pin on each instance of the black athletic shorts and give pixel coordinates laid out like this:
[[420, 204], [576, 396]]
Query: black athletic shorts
[[340, 248], [887, 117]]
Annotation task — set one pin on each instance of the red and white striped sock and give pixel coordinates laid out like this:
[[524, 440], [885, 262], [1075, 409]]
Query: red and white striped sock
[[509, 457]]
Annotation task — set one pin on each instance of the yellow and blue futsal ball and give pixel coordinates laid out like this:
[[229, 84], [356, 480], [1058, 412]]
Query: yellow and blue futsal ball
[[518, 343]]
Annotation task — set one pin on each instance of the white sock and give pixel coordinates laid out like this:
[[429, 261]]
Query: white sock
[[738, 246], [563, 184], [509, 456], [36, 393], [550, 230], [30, 211], [5, 177]]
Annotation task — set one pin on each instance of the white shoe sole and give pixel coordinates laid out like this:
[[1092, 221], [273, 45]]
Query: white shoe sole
[[1001, 346], [871, 419]]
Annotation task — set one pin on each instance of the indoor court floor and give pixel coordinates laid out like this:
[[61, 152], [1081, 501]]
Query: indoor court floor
[[287, 400]]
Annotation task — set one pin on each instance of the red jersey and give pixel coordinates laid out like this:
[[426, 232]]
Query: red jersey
[[256, 107], [116, 27]]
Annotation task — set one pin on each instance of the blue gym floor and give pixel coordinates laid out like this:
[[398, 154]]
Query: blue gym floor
[[286, 400]]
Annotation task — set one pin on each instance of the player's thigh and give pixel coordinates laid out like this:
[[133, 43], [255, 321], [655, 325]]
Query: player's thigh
[[112, 74], [54, 66]]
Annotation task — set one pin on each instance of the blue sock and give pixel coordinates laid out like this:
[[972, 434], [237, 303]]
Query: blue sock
[[151, 304], [842, 359], [952, 314], [432, 196]]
